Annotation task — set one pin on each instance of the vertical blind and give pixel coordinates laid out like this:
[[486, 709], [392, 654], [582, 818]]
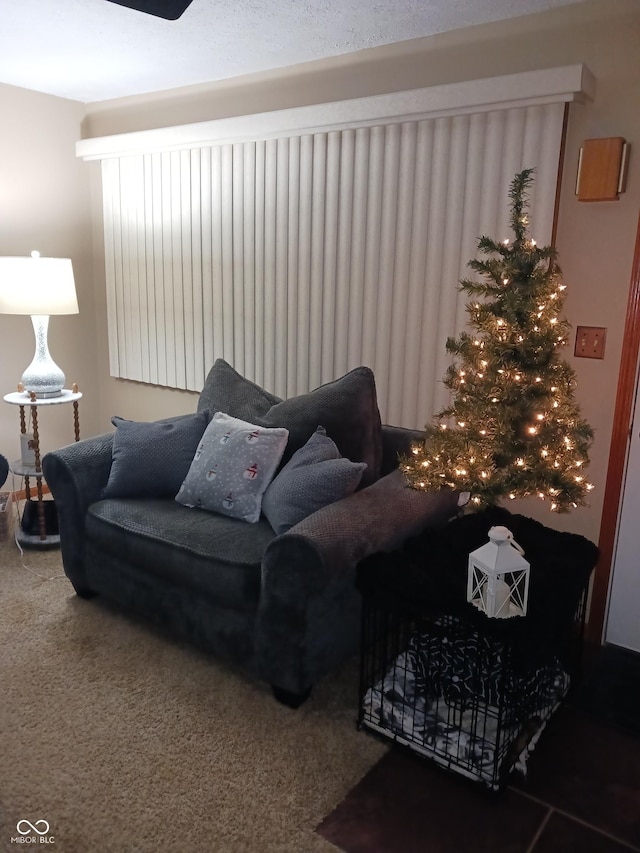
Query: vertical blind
[[299, 257]]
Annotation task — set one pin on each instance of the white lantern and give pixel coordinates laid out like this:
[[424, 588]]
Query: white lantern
[[498, 577]]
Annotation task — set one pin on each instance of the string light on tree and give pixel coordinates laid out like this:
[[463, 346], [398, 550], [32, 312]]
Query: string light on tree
[[513, 427]]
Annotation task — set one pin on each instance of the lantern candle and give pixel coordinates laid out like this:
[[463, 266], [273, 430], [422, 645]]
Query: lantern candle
[[501, 598]]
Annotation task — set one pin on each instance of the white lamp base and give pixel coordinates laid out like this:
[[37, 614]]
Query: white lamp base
[[43, 377]]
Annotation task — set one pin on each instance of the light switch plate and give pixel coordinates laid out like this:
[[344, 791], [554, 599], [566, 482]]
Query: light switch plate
[[590, 341]]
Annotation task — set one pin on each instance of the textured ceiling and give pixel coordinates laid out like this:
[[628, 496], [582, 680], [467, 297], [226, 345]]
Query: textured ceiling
[[92, 50]]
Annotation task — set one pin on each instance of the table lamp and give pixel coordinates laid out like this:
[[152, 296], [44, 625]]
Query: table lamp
[[39, 287]]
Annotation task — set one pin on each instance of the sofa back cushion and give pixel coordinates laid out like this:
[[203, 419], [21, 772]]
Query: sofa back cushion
[[347, 408], [225, 390]]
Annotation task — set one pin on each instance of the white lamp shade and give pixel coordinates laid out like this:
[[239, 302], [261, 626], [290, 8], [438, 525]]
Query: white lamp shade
[[37, 285]]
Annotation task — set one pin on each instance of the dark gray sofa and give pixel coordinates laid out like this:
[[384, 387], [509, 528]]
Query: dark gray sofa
[[284, 607]]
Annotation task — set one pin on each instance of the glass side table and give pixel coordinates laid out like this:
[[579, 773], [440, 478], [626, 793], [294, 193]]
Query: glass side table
[[24, 400]]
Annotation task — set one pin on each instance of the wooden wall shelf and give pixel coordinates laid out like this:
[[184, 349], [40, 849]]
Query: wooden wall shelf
[[602, 169]]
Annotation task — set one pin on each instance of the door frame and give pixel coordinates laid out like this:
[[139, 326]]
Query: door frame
[[622, 425]]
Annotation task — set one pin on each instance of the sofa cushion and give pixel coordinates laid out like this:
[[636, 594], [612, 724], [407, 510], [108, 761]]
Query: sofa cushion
[[315, 476], [226, 390], [152, 459], [233, 465], [216, 556], [346, 407]]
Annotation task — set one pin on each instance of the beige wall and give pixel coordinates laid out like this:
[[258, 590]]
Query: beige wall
[[595, 241], [45, 205]]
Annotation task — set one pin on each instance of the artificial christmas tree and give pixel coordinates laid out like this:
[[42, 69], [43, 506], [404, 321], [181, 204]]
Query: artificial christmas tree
[[513, 428]]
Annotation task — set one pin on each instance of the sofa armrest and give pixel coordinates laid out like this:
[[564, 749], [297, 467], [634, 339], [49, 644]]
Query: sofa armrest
[[378, 518], [312, 566], [76, 475]]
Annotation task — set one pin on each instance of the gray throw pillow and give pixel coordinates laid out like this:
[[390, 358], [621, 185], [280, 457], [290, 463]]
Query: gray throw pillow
[[233, 465], [346, 407], [150, 460], [315, 476]]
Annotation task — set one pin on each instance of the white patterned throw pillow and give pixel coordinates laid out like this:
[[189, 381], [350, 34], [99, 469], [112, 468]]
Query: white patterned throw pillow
[[233, 465]]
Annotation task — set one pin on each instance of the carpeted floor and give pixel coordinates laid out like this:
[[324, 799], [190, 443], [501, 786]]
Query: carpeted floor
[[123, 740]]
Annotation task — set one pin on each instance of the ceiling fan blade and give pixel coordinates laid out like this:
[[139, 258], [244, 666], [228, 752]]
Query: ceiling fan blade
[[168, 9]]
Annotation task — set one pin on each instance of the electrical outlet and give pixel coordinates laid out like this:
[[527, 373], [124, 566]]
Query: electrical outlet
[[590, 341]]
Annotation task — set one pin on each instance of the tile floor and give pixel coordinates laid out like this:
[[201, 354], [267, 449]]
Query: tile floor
[[581, 793]]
